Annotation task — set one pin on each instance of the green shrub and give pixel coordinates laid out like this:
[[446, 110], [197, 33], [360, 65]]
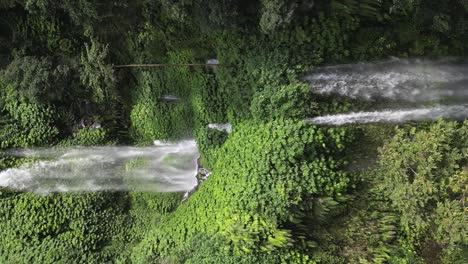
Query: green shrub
[[209, 141], [276, 14], [60, 228], [151, 117], [209, 250], [261, 172], [152, 120], [424, 175], [208, 102], [28, 125], [87, 137], [292, 101], [41, 34], [34, 80], [96, 75]]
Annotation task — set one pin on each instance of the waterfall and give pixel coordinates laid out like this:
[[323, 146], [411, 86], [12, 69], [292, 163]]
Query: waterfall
[[393, 116], [411, 80], [226, 127], [169, 167], [417, 81]]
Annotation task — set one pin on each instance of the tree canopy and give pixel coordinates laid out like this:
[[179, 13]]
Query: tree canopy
[[280, 190]]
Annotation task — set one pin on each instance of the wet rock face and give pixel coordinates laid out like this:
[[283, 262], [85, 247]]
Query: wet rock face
[[202, 175]]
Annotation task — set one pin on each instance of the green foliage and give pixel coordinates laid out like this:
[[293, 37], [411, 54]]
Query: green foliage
[[426, 27], [5, 4], [59, 228], [152, 120], [87, 137], [208, 102], [81, 12], [327, 38], [292, 101], [266, 69], [276, 14], [34, 80], [251, 188], [41, 35], [28, 125], [365, 234], [151, 117], [279, 191], [424, 175], [144, 211], [96, 75], [215, 16], [369, 9], [209, 16], [147, 208], [373, 43], [205, 249], [209, 142]]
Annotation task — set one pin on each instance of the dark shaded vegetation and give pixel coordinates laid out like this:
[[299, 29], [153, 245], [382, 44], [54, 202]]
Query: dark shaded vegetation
[[281, 191]]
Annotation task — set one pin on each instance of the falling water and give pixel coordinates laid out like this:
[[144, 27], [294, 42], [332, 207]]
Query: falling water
[[168, 167], [226, 127], [458, 112], [411, 80]]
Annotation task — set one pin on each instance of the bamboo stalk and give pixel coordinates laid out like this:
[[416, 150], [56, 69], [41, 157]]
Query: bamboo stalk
[[169, 65]]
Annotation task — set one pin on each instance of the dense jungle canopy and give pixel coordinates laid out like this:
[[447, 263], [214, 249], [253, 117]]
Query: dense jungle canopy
[[280, 190]]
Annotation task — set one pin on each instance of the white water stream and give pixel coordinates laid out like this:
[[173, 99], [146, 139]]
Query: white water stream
[[458, 112], [410, 80], [169, 167]]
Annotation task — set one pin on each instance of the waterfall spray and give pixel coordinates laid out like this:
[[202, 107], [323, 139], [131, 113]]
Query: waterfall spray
[[226, 127], [459, 112], [411, 80], [169, 167]]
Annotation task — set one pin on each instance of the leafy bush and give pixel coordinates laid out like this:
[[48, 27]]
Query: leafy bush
[[208, 102], [96, 75], [424, 174], [42, 35], [60, 228], [152, 120], [292, 101], [205, 249], [262, 170], [28, 125], [87, 137], [34, 80], [209, 141], [278, 192], [151, 117], [276, 14]]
